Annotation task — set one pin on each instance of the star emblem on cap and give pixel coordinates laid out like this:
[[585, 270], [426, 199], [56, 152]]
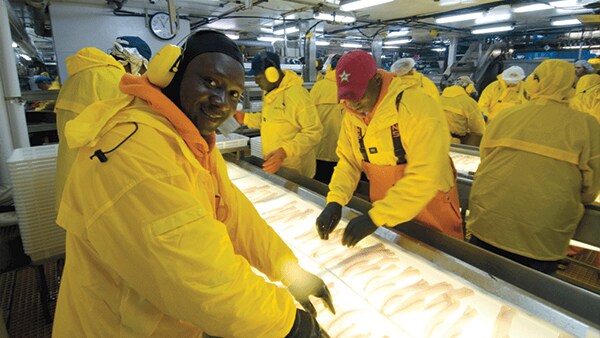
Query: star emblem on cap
[[345, 77]]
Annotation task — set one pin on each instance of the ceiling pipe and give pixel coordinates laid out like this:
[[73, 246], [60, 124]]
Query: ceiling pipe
[[19, 34], [38, 13]]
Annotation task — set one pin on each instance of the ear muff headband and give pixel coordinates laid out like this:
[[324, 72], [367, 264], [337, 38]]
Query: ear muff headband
[[470, 88], [271, 72], [163, 66]]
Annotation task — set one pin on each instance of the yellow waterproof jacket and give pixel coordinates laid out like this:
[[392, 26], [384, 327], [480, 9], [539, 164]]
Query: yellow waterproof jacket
[[417, 80], [289, 120], [498, 96], [587, 95], [160, 244], [426, 139], [324, 95], [462, 112], [540, 162], [93, 76], [320, 76]]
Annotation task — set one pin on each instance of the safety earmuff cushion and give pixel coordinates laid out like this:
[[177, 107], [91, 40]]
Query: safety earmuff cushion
[[163, 66], [272, 74], [470, 88]]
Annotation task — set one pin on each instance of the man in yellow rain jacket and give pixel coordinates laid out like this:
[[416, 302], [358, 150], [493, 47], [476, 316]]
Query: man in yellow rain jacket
[[462, 112], [290, 127], [587, 95], [159, 241], [540, 162], [400, 139], [503, 93], [93, 76], [405, 69], [324, 95]]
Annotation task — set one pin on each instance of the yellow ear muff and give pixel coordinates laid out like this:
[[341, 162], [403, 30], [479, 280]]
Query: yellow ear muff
[[163, 66], [470, 88], [532, 84], [272, 74]]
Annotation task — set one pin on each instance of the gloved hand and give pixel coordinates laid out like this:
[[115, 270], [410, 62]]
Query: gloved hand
[[306, 326], [329, 219], [274, 160], [357, 229], [306, 284]]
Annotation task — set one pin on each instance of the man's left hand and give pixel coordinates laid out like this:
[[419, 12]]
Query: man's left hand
[[274, 160], [357, 229]]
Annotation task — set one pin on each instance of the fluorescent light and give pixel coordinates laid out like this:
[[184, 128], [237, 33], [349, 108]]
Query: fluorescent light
[[441, 49], [233, 36], [25, 56], [351, 45], [323, 16], [266, 30], [269, 38], [14, 45], [565, 3], [397, 41], [493, 17], [457, 18], [393, 34], [495, 29], [344, 18], [360, 4], [391, 47], [286, 30], [449, 2], [531, 8], [584, 46], [337, 17], [565, 22], [322, 43]]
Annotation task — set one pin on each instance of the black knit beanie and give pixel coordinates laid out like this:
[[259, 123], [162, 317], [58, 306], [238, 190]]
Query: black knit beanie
[[200, 42]]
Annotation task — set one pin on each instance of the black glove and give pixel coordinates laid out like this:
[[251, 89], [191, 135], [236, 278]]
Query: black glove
[[357, 229], [306, 284], [306, 326], [328, 219]]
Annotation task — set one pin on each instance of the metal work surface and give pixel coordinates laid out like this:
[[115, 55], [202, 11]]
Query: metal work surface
[[571, 308]]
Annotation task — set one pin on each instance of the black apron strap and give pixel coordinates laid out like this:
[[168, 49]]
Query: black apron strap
[[399, 151], [361, 143]]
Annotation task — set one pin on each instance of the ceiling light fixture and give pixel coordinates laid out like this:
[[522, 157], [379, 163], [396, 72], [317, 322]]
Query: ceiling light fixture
[[393, 34], [25, 56], [582, 46], [531, 8], [334, 16], [322, 43], [566, 4], [266, 30], [354, 5], [397, 41], [492, 17], [565, 22], [391, 47], [269, 38], [492, 29], [440, 49], [14, 45], [233, 36], [288, 29], [351, 45], [460, 17]]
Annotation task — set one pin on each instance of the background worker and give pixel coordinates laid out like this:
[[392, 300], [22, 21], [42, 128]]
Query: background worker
[[331, 112], [582, 68], [405, 69], [133, 53], [319, 66], [587, 95], [165, 243], [503, 93], [93, 76], [400, 139], [462, 112], [289, 124], [540, 163]]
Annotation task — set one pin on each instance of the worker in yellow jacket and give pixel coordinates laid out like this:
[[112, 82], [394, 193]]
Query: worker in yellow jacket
[[587, 95], [159, 240], [289, 124], [462, 112], [405, 69], [540, 163], [503, 93], [400, 139], [319, 67], [93, 76], [331, 112]]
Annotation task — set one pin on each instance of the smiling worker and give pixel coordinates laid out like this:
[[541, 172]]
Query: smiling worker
[[164, 244], [290, 127], [399, 137]]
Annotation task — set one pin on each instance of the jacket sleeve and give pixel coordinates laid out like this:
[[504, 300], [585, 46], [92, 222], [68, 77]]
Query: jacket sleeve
[[474, 119], [485, 98], [175, 254], [590, 163], [347, 171], [427, 144], [305, 117], [252, 120]]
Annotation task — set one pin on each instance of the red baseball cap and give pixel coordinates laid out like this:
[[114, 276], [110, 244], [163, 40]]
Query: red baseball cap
[[352, 74]]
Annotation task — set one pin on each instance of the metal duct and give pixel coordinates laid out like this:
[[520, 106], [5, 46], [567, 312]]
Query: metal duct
[[19, 34], [38, 13], [252, 43]]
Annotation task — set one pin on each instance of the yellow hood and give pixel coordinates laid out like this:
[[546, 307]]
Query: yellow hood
[[289, 79], [551, 80], [587, 82], [453, 91], [90, 57]]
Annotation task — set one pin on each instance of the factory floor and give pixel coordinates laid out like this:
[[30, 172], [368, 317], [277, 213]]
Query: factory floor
[[22, 310]]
